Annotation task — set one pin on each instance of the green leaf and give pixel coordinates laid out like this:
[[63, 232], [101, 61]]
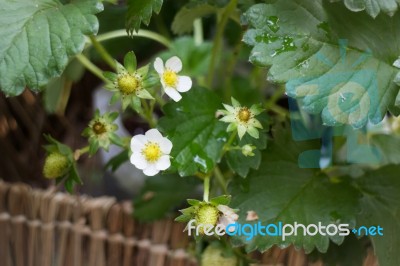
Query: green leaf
[[183, 21], [350, 253], [388, 146], [140, 11], [221, 200], [130, 62], [115, 162], [157, 199], [304, 42], [196, 134], [380, 205], [241, 164], [373, 7], [37, 39], [280, 191]]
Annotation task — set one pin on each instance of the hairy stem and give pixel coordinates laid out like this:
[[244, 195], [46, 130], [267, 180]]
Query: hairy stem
[[142, 33], [206, 188], [218, 39], [91, 67], [102, 52]]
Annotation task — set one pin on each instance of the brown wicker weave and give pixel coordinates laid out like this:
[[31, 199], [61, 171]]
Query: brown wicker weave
[[43, 228]]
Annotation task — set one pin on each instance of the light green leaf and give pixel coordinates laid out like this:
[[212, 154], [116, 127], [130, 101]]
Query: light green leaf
[[183, 21], [280, 191], [380, 205], [37, 38], [140, 11], [373, 7], [196, 134], [328, 56]]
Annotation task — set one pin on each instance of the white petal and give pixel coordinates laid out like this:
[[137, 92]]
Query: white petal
[[229, 108], [153, 135], [137, 142], [241, 131], [184, 84], [165, 145], [151, 170], [138, 160], [159, 65], [163, 163], [228, 119], [174, 63], [174, 94]]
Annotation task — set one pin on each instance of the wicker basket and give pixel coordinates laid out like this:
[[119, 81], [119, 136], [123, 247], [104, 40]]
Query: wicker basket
[[44, 228]]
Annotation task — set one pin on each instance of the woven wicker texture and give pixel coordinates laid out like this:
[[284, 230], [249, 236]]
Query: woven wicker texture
[[45, 228]]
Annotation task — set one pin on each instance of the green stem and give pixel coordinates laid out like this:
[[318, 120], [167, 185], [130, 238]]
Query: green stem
[[198, 31], [218, 39], [229, 142], [148, 114], [91, 67], [206, 188], [102, 52], [274, 98], [142, 33], [220, 178], [79, 152], [229, 71]]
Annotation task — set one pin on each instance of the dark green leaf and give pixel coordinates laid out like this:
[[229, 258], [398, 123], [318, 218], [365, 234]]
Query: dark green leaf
[[380, 205], [161, 194], [115, 162], [320, 50], [281, 191], [37, 39], [196, 133], [140, 11]]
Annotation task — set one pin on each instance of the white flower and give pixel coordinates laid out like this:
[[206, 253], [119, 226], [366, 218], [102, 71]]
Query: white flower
[[150, 152], [170, 80], [227, 216]]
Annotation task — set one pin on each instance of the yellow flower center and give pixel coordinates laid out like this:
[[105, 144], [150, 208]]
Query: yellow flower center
[[170, 78], [151, 152], [244, 114], [99, 128], [128, 84]]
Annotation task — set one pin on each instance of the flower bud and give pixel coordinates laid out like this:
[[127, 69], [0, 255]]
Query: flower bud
[[248, 149], [55, 165]]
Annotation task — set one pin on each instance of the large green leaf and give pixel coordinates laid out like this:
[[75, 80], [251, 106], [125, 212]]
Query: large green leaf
[[140, 11], [280, 191], [37, 38], [196, 134], [338, 62], [373, 7], [156, 198], [380, 205]]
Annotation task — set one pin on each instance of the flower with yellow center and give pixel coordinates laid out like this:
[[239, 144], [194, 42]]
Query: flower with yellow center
[[172, 83], [150, 152], [129, 84], [242, 118]]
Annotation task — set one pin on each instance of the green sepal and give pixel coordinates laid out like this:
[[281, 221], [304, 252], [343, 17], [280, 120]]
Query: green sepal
[[130, 62]]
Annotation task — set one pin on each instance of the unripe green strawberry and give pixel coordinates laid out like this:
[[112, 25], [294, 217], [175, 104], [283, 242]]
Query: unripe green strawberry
[[207, 214], [212, 256], [55, 165]]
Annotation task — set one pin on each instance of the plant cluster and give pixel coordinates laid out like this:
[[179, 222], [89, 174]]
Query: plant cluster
[[212, 105]]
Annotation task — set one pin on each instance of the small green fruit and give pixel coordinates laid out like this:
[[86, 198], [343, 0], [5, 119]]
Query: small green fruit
[[212, 256], [55, 165]]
